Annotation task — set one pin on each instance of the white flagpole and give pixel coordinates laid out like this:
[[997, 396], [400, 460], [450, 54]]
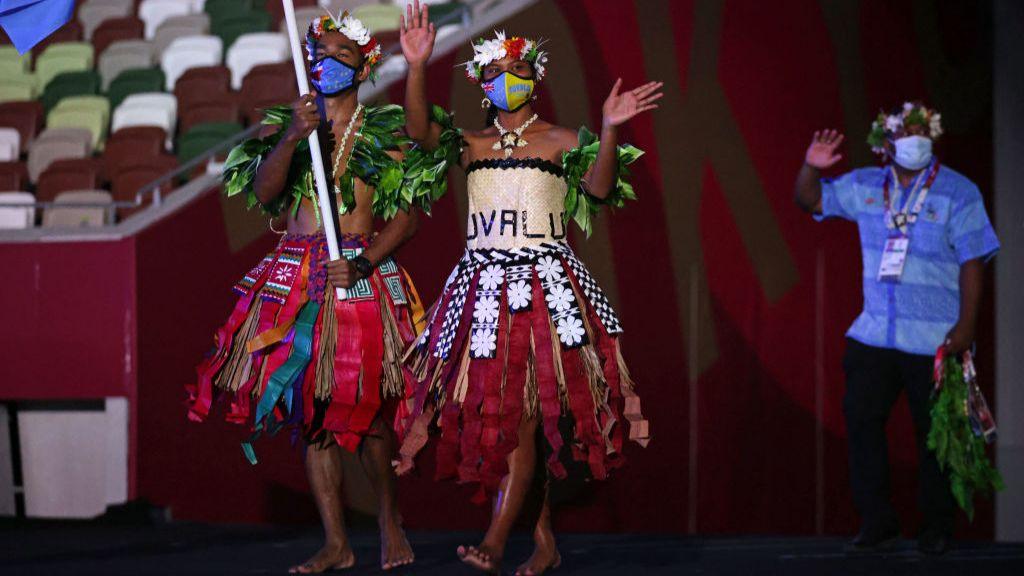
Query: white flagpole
[[322, 191]]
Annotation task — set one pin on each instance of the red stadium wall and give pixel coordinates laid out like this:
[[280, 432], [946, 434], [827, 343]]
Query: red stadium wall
[[713, 264]]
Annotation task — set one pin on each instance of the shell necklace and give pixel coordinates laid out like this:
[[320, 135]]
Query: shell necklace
[[510, 140], [341, 149]]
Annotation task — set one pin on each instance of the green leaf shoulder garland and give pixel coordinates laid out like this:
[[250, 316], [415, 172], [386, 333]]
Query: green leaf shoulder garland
[[579, 204], [415, 181]]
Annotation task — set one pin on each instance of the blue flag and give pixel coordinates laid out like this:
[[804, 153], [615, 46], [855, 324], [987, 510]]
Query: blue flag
[[27, 22]]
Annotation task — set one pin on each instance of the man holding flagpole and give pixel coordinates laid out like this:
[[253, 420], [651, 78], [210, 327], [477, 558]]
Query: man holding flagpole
[[296, 351]]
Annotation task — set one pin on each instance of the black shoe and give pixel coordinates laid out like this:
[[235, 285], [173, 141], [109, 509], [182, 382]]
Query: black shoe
[[874, 540], [934, 542]]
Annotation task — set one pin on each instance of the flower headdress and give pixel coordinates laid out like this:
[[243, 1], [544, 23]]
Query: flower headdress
[[912, 114], [353, 29], [487, 51]]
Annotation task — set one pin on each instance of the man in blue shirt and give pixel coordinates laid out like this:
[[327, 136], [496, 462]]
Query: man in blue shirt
[[925, 237]]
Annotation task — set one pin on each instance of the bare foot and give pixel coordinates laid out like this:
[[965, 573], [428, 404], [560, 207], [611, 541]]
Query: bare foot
[[395, 550], [330, 557], [481, 558], [543, 559]]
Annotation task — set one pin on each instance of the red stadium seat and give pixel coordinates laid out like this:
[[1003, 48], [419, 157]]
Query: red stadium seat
[[110, 31], [266, 85], [128, 145], [201, 85], [130, 179], [13, 176], [277, 11], [66, 175], [224, 111], [26, 117]]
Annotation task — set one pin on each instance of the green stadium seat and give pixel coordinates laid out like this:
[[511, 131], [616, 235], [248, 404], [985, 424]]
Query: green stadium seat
[[90, 119], [88, 102], [49, 65], [218, 9], [202, 137], [13, 63], [133, 82], [70, 84], [231, 26], [16, 87], [380, 17], [444, 12]]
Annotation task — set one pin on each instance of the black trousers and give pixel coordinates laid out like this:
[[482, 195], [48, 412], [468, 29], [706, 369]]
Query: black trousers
[[874, 379]]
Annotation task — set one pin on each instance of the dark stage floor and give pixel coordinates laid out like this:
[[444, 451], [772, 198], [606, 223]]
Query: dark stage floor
[[183, 549]]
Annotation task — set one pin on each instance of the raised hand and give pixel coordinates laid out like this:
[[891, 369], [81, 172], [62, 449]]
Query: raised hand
[[821, 154], [620, 107], [417, 34]]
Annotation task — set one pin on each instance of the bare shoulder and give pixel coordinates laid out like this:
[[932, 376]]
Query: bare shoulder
[[565, 137], [486, 133]]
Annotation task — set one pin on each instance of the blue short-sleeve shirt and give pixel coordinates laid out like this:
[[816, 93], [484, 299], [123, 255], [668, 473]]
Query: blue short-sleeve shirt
[[915, 314]]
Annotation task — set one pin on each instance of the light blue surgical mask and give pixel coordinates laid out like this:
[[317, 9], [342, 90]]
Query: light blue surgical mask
[[913, 152], [331, 76]]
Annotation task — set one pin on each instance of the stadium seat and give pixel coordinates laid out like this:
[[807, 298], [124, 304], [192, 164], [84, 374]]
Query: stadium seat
[[155, 12], [57, 59], [149, 109], [11, 62], [10, 144], [13, 176], [134, 82], [26, 117], [225, 111], [89, 119], [124, 55], [78, 217], [87, 102], [12, 218], [276, 11], [204, 84], [132, 178], [235, 24], [66, 175], [202, 137], [339, 6], [42, 153], [189, 52], [379, 17], [218, 9], [251, 50], [92, 14], [70, 84], [265, 86], [178, 26], [126, 146], [392, 67], [110, 31], [444, 13], [17, 88], [70, 32]]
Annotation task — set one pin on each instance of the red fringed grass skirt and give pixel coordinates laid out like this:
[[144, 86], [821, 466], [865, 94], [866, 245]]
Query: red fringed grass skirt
[[292, 354], [517, 334]]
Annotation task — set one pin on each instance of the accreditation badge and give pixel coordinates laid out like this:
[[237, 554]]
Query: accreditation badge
[[894, 258]]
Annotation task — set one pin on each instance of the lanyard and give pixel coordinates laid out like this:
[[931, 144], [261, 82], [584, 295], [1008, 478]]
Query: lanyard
[[908, 213]]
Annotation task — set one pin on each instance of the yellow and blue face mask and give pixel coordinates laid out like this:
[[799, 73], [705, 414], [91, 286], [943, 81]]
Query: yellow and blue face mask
[[508, 92]]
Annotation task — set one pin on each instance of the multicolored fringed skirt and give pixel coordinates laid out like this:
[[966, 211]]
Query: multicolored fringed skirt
[[521, 333], [292, 354]]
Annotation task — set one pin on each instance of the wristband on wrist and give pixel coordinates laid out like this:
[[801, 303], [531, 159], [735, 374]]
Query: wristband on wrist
[[362, 265]]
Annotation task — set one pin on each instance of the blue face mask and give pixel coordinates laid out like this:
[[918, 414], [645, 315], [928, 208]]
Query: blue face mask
[[331, 76], [508, 92]]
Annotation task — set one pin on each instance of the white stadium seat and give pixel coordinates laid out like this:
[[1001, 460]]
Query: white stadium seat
[[147, 109], [154, 12], [189, 52], [251, 50], [10, 144], [17, 218]]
